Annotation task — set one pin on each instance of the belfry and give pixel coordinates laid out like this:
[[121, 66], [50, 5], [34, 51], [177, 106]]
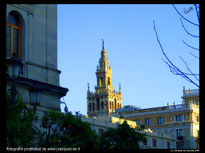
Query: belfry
[[104, 100]]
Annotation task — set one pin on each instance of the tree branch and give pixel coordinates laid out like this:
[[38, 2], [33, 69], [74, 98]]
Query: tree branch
[[191, 73], [175, 70], [193, 55], [197, 12], [190, 46], [187, 30]]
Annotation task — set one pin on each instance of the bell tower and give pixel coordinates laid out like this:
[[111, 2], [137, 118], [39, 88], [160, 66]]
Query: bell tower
[[104, 100]]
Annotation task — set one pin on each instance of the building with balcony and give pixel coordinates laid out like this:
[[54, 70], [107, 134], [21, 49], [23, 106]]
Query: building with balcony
[[180, 120]]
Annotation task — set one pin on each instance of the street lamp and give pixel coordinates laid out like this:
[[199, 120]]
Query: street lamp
[[77, 113], [35, 91], [14, 67], [14, 70], [65, 108]]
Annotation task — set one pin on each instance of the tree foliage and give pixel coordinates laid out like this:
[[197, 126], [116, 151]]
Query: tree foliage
[[66, 130], [122, 137], [63, 130], [19, 119]]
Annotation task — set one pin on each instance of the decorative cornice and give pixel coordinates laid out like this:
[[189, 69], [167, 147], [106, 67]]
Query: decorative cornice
[[44, 86]]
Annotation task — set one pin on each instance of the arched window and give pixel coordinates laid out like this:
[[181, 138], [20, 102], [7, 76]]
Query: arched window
[[93, 106], [98, 104], [106, 105], [108, 81], [89, 107], [115, 104], [13, 35], [102, 105], [100, 81]]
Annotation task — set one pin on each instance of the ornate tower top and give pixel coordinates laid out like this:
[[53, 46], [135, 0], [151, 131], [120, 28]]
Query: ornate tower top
[[105, 99]]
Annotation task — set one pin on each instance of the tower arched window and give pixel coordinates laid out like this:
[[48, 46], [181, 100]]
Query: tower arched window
[[102, 105], [115, 104], [93, 106], [108, 80], [13, 35], [100, 81], [110, 104], [89, 107], [98, 104]]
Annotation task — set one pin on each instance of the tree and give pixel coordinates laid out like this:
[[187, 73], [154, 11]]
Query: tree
[[142, 127], [19, 120], [187, 74], [122, 137], [66, 131]]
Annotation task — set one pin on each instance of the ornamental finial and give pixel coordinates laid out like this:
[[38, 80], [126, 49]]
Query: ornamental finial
[[88, 86], [102, 44]]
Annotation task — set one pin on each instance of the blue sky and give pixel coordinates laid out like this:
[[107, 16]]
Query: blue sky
[[132, 50]]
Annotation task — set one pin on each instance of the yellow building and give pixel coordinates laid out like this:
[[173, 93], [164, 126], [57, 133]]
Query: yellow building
[[155, 139], [104, 100], [181, 120]]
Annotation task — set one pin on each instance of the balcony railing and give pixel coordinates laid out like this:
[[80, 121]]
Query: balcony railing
[[194, 92]]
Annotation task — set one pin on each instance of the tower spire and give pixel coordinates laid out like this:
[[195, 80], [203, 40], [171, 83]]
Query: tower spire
[[102, 44]]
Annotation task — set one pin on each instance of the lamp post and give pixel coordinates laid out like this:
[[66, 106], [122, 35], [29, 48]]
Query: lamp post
[[14, 70], [35, 95], [77, 113], [65, 108]]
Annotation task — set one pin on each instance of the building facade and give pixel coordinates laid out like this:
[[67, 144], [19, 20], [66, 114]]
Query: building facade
[[104, 100], [31, 37], [180, 120], [155, 140]]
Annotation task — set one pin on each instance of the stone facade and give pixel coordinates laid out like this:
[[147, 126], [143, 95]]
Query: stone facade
[[37, 50]]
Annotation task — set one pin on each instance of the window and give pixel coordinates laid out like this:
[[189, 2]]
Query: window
[[110, 103], [160, 120], [89, 107], [108, 81], [100, 81], [105, 105], [115, 104], [179, 132], [147, 122], [154, 142], [197, 118], [137, 122], [93, 106], [179, 118], [102, 105], [98, 104], [13, 36], [187, 117]]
